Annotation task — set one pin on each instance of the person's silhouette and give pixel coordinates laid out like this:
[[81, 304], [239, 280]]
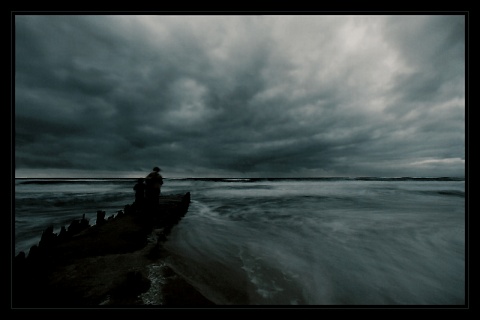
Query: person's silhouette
[[153, 181]]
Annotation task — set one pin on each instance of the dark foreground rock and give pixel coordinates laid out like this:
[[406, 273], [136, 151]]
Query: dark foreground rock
[[105, 265]]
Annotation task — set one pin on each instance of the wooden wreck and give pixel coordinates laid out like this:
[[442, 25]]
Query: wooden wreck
[[105, 264]]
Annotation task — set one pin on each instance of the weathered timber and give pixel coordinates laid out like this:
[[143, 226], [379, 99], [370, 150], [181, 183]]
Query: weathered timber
[[101, 265]]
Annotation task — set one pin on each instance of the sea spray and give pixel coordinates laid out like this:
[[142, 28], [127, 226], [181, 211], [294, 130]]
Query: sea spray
[[335, 241]]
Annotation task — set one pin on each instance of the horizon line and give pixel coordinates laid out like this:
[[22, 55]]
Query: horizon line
[[245, 178]]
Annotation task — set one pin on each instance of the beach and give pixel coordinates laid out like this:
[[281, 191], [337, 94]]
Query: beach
[[107, 264], [286, 242]]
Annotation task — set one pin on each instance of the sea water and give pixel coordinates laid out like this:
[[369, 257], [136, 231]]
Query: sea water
[[325, 241]]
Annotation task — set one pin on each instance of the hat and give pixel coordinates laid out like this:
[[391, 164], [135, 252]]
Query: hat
[[156, 169]]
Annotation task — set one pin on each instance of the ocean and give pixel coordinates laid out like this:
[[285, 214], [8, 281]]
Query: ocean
[[317, 241]]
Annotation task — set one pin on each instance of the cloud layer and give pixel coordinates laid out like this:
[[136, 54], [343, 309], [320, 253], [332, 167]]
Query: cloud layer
[[255, 96]]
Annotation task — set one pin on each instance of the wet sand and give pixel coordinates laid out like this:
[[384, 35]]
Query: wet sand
[[107, 265]]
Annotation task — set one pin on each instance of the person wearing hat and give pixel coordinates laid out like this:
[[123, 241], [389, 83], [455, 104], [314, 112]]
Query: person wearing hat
[[153, 181]]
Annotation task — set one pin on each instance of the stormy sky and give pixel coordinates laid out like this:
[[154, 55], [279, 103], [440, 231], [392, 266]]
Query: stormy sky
[[239, 95]]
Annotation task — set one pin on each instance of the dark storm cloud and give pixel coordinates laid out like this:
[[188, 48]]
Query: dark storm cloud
[[240, 95]]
